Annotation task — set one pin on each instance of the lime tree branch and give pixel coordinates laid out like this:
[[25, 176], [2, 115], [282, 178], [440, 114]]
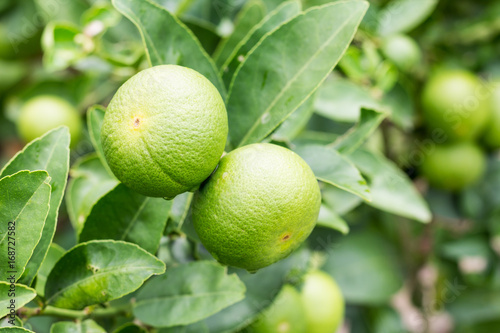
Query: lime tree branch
[[88, 312]]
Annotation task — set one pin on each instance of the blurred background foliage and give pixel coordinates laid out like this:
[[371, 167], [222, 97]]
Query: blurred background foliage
[[396, 275]]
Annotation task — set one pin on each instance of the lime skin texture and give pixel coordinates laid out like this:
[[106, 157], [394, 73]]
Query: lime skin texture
[[42, 113], [260, 204], [164, 131]]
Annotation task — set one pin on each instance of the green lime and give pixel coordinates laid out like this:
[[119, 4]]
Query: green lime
[[457, 103], [42, 113], [454, 166], [164, 131], [323, 303], [492, 133], [403, 51], [285, 315], [260, 204]]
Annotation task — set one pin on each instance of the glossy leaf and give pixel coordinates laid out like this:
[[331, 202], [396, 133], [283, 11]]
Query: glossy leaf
[[251, 14], [24, 205], [130, 328], [95, 117], [21, 295], [295, 123], [97, 272], [89, 182], [60, 47], [14, 330], [86, 326], [391, 189], [342, 100], [356, 136], [330, 166], [128, 216], [283, 13], [353, 263], [55, 253], [51, 153], [167, 39], [404, 15], [401, 106], [179, 211], [262, 287], [329, 219], [187, 293], [270, 84]]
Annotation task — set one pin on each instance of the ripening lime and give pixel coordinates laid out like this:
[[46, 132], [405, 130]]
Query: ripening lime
[[285, 315], [42, 113], [403, 51], [323, 303], [260, 205], [454, 166], [492, 132], [456, 102], [164, 131]]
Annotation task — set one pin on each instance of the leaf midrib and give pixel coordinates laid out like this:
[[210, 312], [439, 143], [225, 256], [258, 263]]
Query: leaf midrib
[[116, 269], [295, 77]]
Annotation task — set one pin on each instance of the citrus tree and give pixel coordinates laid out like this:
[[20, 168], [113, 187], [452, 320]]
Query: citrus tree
[[249, 166]]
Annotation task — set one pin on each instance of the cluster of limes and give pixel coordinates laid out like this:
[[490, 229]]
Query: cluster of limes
[[164, 133], [317, 308], [462, 113]]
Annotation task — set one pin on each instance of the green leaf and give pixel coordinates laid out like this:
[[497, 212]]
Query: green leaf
[[130, 328], [331, 167], [129, 216], [55, 253], [51, 153], [295, 123], [365, 267], [401, 106], [89, 182], [342, 100], [404, 15], [24, 205], [251, 14], [329, 219], [59, 43], [338, 200], [20, 294], [262, 288], [95, 117], [270, 84], [179, 211], [167, 40], [391, 189], [187, 293], [14, 330], [97, 272], [356, 136], [471, 306], [283, 13], [86, 326]]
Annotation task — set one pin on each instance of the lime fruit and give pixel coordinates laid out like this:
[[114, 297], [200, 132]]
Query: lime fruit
[[454, 166], [456, 102], [164, 131], [45, 112], [323, 303], [492, 132], [285, 315], [403, 51], [260, 204]]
